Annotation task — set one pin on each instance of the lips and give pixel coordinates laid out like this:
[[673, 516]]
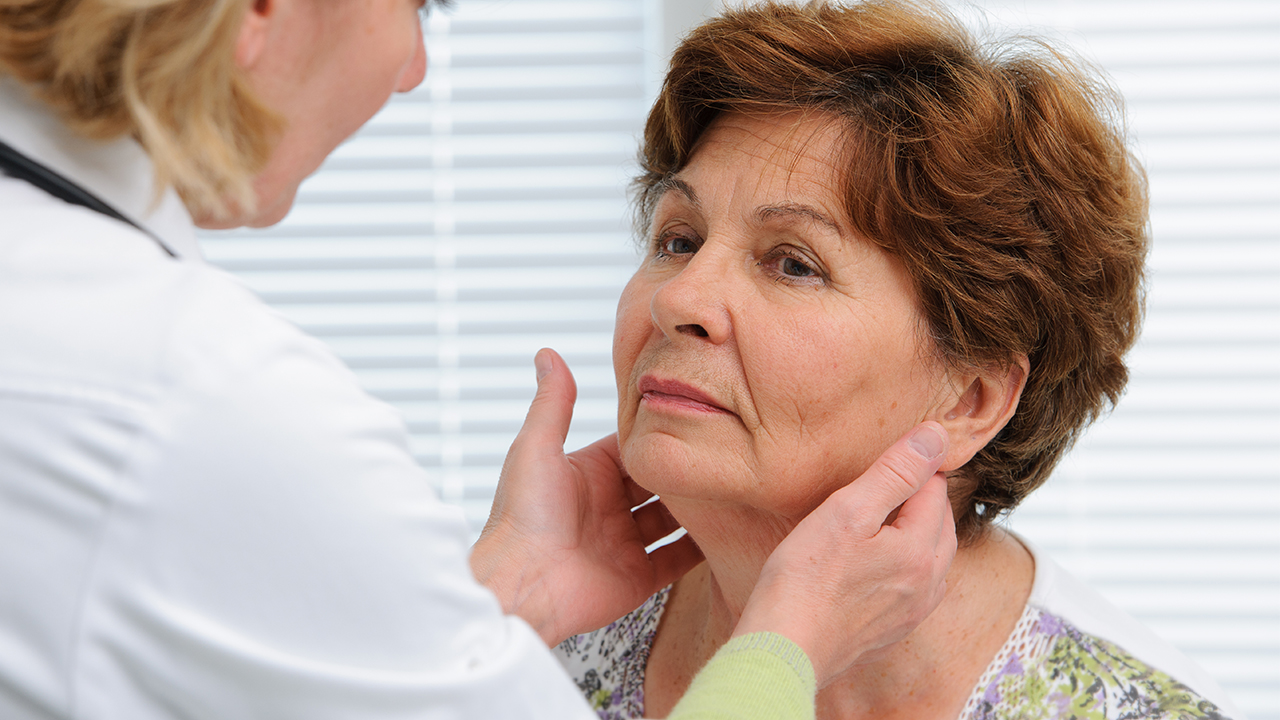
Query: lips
[[675, 395]]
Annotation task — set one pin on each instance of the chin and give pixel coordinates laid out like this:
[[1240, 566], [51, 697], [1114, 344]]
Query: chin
[[670, 466], [266, 215], [269, 215], [697, 475]]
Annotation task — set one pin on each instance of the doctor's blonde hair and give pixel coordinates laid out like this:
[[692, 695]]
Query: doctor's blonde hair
[[161, 71]]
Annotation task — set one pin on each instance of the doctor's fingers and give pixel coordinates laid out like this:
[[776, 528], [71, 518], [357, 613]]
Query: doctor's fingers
[[604, 456], [547, 423], [898, 475], [927, 521]]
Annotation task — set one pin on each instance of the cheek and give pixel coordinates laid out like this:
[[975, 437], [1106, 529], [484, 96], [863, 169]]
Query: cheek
[[799, 364], [832, 396], [632, 328], [383, 54]]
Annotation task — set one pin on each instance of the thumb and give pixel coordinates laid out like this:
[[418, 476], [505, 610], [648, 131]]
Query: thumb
[[552, 408], [899, 474]]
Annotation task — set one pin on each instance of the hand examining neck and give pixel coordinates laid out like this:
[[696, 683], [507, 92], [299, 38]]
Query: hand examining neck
[[864, 672], [842, 583], [564, 550]]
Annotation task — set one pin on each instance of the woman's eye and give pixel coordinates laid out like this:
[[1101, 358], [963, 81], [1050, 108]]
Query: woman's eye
[[678, 245], [792, 267]]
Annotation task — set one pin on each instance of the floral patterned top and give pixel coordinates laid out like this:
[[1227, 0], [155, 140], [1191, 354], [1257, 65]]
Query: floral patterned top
[[608, 664], [1046, 670]]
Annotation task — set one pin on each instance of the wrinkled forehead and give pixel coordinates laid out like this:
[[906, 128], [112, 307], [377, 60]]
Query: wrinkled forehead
[[785, 139], [784, 162]]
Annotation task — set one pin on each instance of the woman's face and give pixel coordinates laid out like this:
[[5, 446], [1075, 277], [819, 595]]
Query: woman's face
[[326, 66], [765, 354]]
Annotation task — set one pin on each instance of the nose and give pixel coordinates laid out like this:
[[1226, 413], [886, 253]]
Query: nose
[[696, 302], [416, 69]]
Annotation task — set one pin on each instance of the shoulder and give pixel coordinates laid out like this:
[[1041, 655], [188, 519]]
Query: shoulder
[[90, 299], [217, 433], [91, 307], [608, 665], [1076, 654], [1061, 594], [1052, 670], [102, 328]]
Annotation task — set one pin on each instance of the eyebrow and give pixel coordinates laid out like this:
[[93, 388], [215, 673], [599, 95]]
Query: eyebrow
[[685, 189], [786, 210], [797, 210]]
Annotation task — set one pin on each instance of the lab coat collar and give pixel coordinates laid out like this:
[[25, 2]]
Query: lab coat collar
[[118, 171]]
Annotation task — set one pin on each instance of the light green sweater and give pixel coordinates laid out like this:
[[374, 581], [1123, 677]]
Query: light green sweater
[[753, 677]]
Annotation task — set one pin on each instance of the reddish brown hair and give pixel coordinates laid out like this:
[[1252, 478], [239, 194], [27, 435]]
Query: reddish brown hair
[[999, 176]]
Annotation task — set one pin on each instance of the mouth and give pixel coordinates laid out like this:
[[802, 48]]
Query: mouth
[[673, 395]]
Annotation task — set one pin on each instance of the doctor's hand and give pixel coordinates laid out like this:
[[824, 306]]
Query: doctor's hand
[[853, 576], [562, 548]]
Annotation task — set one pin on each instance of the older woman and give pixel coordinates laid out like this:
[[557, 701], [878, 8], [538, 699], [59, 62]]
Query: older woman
[[858, 219]]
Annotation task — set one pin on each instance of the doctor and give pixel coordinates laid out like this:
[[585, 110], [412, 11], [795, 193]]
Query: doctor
[[203, 516]]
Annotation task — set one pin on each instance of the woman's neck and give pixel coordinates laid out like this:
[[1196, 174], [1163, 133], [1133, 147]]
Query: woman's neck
[[987, 588], [736, 542], [705, 605]]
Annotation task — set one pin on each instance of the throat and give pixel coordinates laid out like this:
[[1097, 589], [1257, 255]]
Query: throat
[[736, 543], [927, 676], [704, 606]]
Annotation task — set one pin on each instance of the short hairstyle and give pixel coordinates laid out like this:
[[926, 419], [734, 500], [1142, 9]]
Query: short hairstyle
[[161, 71], [999, 176]]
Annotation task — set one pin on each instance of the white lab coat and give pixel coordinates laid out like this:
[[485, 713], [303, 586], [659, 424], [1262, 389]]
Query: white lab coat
[[201, 513]]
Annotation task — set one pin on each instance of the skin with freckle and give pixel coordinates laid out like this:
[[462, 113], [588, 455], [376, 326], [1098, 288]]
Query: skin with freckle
[[758, 294]]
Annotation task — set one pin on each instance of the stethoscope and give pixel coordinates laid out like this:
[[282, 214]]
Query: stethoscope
[[17, 165]]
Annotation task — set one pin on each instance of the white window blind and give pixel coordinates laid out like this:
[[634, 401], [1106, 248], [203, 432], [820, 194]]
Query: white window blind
[[473, 221], [483, 216]]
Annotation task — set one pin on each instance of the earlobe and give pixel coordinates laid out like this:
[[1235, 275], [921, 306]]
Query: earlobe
[[985, 405], [254, 29]]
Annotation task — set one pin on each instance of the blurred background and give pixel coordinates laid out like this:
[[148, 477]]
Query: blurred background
[[484, 216]]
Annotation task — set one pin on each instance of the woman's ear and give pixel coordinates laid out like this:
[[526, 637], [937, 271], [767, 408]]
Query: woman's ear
[[983, 403], [255, 29]]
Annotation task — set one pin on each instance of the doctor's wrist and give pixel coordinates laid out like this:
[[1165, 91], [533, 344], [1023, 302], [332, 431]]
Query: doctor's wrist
[[517, 584]]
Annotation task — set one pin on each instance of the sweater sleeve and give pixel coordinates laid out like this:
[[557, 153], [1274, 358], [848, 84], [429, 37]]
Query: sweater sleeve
[[756, 676]]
